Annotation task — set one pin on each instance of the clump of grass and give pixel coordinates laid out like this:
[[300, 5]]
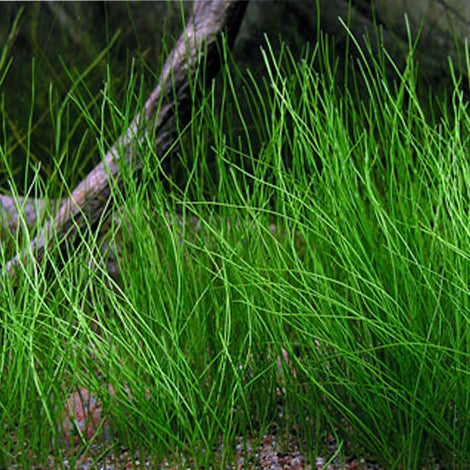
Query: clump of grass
[[339, 247]]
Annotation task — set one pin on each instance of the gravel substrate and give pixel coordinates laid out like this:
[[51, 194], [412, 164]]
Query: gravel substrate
[[268, 455]]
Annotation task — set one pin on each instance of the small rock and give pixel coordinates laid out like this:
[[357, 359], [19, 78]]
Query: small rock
[[298, 461]]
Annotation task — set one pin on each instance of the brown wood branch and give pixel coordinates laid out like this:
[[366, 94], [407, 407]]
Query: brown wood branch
[[198, 46], [13, 210]]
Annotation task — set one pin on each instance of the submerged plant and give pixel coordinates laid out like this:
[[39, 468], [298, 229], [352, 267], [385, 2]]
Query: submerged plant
[[326, 267]]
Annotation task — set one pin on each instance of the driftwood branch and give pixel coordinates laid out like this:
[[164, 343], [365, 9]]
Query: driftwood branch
[[197, 46]]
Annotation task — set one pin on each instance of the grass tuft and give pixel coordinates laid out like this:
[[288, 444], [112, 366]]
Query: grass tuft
[[329, 265]]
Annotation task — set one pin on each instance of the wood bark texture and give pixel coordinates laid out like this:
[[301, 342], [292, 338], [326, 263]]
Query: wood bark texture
[[198, 46]]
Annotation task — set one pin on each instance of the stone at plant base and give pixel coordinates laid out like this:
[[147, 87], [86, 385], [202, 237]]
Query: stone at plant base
[[82, 417]]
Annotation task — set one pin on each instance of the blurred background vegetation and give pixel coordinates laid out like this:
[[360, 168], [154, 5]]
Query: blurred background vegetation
[[59, 47], [60, 44]]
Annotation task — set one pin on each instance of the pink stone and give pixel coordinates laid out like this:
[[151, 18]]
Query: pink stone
[[82, 417]]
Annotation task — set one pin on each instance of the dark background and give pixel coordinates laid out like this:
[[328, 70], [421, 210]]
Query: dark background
[[56, 42]]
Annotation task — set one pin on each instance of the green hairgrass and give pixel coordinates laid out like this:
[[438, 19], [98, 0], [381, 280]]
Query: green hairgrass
[[337, 247]]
